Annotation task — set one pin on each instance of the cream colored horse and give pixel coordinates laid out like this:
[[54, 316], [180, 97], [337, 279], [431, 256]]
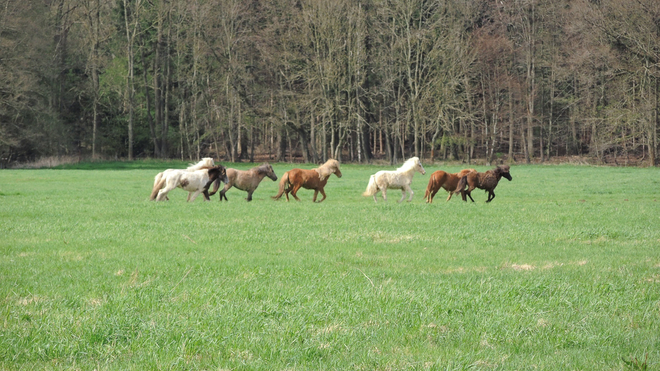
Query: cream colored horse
[[400, 178]]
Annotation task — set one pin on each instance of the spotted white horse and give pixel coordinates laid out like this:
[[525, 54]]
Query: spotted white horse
[[195, 182], [400, 178], [204, 163]]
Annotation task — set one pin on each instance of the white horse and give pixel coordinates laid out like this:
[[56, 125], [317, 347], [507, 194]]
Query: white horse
[[397, 179], [195, 182], [205, 163]]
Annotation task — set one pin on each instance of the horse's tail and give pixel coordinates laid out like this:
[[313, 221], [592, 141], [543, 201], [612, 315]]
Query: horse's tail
[[461, 185], [372, 187], [158, 177], [283, 183], [158, 185], [429, 189]]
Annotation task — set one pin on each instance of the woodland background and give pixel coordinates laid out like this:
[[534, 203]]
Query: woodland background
[[307, 80]]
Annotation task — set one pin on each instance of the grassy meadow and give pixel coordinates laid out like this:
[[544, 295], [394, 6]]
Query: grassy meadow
[[560, 272]]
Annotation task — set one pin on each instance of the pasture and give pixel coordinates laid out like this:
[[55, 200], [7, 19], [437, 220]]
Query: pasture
[[560, 272]]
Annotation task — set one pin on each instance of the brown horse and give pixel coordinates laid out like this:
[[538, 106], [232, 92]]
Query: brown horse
[[315, 179], [441, 179], [486, 181], [246, 181]]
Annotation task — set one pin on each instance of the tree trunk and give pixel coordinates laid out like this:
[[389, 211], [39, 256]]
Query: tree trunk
[[130, 80], [150, 119], [511, 122], [164, 145], [157, 81]]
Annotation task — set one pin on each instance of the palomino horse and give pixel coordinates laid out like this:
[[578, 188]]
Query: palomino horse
[[441, 179], [246, 181], [205, 163], [397, 179], [195, 182], [315, 179], [486, 181]]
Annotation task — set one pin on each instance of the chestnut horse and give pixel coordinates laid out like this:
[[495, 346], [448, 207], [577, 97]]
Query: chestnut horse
[[246, 181], [440, 179], [195, 182], [486, 181], [315, 179]]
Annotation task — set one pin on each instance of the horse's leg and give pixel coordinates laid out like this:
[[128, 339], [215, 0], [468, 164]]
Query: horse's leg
[[316, 192], [216, 185], [409, 190], [491, 196], [449, 197], [323, 194], [249, 197], [403, 194], [469, 194], [432, 195], [162, 194], [194, 196], [295, 190], [224, 190]]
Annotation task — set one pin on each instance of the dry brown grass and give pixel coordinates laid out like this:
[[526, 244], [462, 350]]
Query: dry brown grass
[[47, 162]]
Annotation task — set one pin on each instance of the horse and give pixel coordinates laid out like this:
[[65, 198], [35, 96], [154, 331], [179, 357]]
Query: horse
[[195, 182], [315, 179], [204, 163], [440, 179], [397, 179], [246, 181], [486, 181]]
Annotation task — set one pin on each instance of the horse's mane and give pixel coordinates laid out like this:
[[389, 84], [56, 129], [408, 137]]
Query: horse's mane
[[409, 164], [327, 169], [205, 163], [261, 168], [503, 168]]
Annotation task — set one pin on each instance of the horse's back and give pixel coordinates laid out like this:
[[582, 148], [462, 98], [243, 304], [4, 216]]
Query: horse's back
[[244, 180], [436, 180], [232, 174]]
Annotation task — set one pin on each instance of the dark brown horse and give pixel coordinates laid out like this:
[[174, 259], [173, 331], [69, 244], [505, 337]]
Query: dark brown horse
[[246, 181], [315, 179], [486, 181], [441, 179]]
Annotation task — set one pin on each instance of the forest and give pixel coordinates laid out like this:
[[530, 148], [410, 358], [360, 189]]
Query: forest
[[306, 80]]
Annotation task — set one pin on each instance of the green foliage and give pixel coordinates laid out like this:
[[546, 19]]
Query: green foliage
[[560, 271]]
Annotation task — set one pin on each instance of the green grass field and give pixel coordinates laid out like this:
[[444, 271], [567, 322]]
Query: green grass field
[[560, 272]]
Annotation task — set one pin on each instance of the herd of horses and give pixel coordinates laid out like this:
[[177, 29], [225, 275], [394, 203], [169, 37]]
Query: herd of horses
[[199, 177]]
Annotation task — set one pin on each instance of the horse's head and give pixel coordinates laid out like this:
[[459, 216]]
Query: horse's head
[[503, 171], [419, 167], [218, 172], [335, 167], [330, 167], [268, 170]]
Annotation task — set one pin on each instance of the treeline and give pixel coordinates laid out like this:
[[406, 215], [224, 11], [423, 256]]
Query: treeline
[[517, 80]]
